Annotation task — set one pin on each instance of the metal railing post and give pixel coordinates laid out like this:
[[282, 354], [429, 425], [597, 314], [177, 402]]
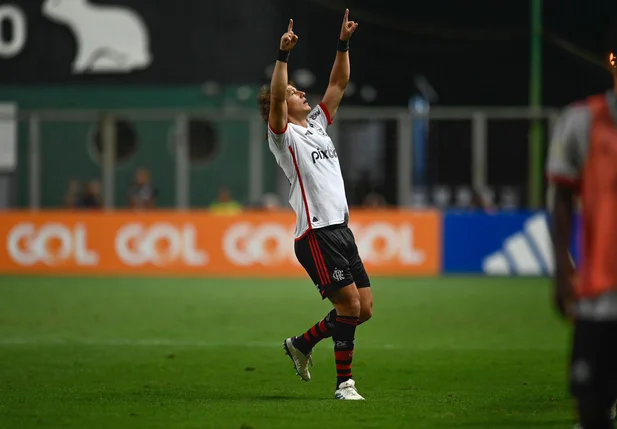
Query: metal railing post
[[108, 134], [479, 151], [182, 153], [256, 159], [34, 162], [404, 161]]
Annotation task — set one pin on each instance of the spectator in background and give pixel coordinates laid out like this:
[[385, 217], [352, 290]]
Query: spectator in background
[[91, 198], [225, 203], [481, 201], [142, 193], [71, 198], [270, 202], [472, 199], [374, 200]]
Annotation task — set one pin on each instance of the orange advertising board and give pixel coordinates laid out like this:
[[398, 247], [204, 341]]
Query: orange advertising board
[[198, 243]]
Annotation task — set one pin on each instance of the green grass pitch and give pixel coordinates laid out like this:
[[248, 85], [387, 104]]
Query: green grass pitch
[[129, 353]]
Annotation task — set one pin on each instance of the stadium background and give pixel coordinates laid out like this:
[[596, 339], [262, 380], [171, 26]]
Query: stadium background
[[442, 138]]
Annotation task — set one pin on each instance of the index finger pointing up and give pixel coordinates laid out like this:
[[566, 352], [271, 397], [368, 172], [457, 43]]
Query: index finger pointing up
[[291, 25], [346, 15]]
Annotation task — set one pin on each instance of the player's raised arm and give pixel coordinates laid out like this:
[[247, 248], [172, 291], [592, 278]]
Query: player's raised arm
[[278, 107], [339, 77]]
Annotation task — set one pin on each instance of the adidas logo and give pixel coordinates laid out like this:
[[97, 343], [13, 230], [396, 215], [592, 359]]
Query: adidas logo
[[528, 252]]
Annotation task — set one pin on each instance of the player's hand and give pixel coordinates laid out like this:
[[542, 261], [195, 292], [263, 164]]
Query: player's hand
[[289, 39], [348, 27]]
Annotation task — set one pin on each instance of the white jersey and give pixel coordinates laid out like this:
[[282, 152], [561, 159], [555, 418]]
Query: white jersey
[[309, 160]]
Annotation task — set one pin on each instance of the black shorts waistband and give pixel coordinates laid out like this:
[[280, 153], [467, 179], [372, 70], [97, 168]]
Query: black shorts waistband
[[332, 227]]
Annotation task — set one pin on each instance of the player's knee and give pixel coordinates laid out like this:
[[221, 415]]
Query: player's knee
[[350, 306], [347, 301], [365, 314], [354, 307]]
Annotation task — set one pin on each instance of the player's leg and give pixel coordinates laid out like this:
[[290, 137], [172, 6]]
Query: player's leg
[[321, 330], [337, 284], [595, 412], [360, 277], [346, 301], [312, 251], [593, 376], [366, 304], [346, 296]]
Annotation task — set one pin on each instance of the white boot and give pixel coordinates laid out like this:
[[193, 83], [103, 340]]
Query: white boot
[[300, 360], [347, 391]]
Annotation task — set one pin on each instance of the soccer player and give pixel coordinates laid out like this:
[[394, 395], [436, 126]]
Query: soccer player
[[583, 159], [324, 244]]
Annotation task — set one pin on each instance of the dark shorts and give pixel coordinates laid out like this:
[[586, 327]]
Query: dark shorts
[[593, 367], [330, 256]]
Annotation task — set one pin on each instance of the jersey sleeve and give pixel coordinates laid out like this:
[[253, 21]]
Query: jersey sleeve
[[279, 139], [568, 147], [321, 115]]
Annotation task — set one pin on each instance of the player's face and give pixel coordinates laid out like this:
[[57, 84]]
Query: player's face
[[296, 101]]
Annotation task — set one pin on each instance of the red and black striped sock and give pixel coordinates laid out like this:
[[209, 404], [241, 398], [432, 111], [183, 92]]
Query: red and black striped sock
[[318, 332], [343, 337]]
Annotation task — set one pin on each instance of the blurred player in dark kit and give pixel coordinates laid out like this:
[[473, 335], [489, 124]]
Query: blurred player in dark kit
[[583, 163]]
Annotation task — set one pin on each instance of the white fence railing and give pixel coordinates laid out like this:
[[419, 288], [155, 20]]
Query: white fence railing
[[478, 116]]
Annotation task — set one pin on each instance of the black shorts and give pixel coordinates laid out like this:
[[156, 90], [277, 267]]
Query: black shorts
[[593, 367], [330, 256]]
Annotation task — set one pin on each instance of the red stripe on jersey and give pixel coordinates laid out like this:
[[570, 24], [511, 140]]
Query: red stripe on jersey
[[306, 208], [275, 131], [564, 181], [303, 234], [325, 110]]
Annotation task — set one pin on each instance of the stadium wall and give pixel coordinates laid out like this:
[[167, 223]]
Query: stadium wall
[[260, 244], [218, 150]]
